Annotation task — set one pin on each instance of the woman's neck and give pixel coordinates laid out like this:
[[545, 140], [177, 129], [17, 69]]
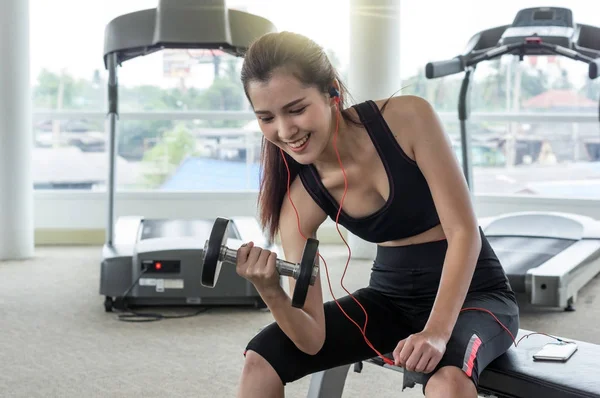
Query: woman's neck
[[346, 144]]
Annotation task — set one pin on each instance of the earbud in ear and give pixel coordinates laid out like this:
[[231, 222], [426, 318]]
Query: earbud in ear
[[333, 92]]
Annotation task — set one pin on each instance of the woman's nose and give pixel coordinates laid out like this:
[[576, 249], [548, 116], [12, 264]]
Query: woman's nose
[[287, 130]]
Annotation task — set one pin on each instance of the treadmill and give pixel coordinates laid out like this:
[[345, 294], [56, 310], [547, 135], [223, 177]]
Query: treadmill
[[156, 262], [547, 256]]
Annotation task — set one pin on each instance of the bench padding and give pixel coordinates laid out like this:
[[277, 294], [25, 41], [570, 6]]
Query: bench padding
[[516, 374]]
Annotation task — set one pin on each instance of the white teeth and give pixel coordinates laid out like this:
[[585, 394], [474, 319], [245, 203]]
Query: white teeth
[[299, 143]]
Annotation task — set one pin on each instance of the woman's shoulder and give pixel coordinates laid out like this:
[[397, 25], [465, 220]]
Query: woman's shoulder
[[406, 116], [409, 107], [402, 108], [405, 112]]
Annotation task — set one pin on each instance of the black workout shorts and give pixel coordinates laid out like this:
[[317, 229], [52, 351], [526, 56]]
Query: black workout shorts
[[398, 301]]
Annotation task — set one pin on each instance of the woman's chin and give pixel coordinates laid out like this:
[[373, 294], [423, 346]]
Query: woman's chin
[[304, 156], [304, 159]]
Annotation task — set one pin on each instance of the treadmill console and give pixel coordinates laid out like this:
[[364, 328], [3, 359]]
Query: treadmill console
[[161, 266], [162, 261], [553, 25]]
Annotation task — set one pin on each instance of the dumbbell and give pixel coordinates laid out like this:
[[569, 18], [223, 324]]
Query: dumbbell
[[216, 253]]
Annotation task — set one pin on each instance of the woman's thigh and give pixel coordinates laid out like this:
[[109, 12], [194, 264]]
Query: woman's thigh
[[344, 341], [485, 329]]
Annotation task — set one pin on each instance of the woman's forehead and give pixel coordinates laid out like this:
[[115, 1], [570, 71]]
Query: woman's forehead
[[277, 92]]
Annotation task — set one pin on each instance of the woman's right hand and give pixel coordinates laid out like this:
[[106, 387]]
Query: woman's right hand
[[258, 266]]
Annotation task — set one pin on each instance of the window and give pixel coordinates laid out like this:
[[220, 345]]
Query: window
[[534, 124], [165, 139]]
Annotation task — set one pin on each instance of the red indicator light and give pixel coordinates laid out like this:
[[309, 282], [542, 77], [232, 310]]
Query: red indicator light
[[536, 40], [158, 265]]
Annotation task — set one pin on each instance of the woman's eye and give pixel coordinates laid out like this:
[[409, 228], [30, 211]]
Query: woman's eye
[[297, 111]]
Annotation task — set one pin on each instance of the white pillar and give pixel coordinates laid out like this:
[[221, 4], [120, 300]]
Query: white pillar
[[374, 49], [16, 185], [374, 66]]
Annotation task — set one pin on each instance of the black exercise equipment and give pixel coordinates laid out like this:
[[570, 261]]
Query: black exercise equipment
[[215, 253], [563, 249], [154, 261], [534, 31]]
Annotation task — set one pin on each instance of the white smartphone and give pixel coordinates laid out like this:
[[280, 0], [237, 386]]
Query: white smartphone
[[559, 352]]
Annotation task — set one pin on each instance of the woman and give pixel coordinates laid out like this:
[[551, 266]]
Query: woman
[[391, 168]]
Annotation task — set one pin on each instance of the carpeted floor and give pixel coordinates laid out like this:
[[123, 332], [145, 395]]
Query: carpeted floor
[[57, 341]]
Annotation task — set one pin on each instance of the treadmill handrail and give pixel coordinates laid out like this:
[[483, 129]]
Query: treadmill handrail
[[523, 47]]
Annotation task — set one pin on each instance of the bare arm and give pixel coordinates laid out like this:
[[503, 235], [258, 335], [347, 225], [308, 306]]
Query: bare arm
[[306, 326], [434, 155]]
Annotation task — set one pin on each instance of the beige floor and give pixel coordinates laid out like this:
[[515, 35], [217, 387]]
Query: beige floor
[[57, 341]]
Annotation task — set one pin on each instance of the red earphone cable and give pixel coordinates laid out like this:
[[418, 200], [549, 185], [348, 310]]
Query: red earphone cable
[[364, 328]]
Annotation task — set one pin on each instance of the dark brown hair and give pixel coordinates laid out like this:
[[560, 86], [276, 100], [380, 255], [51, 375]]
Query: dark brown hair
[[307, 62]]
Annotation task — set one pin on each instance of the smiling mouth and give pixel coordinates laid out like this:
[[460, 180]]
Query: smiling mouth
[[300, 144]]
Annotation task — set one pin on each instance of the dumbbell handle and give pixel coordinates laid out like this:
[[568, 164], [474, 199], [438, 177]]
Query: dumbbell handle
[[284, 268]]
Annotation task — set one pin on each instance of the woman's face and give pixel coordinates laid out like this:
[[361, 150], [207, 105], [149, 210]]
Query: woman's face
[[293, 117]]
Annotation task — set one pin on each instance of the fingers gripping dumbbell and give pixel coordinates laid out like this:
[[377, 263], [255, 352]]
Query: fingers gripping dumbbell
[[216, 253]]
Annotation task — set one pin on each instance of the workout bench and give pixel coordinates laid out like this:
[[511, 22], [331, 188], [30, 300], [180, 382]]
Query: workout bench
[[514, 374]]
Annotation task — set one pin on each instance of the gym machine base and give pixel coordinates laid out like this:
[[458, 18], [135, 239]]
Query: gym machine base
[[514, 374], [159, 262], [548, 257]]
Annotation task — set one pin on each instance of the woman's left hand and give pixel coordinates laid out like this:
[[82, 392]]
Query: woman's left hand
[[420, 352]]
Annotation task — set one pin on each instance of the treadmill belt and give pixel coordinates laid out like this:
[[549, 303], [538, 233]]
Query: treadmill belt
[[518, 254]]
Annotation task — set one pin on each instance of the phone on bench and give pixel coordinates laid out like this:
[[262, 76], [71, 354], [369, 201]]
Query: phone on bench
[[557, 352]]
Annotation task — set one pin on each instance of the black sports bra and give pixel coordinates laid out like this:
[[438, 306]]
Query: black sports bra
[[409, 210]]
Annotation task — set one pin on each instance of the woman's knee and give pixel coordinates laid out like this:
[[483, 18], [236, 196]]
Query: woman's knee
[[255, 365], [450, 381], [256, 362]]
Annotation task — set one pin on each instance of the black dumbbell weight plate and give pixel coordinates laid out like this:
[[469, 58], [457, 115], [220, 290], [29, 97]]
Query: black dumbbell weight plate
[[307, 264], [211, 266]]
